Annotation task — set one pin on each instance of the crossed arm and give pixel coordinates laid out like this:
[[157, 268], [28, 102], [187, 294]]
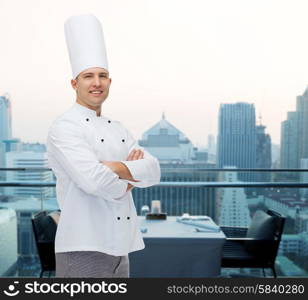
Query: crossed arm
[[121, 169]]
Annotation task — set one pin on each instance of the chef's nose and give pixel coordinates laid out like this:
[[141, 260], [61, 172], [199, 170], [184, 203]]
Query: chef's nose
[[97, 81]]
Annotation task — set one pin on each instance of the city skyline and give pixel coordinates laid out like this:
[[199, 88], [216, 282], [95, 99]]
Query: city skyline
[[164, 56], [199, 141]]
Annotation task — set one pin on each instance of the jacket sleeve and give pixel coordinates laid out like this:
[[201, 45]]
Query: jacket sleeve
[[66, 144], [146, 170]]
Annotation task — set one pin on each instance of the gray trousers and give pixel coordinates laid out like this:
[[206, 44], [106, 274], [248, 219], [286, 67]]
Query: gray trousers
[[91, 264]]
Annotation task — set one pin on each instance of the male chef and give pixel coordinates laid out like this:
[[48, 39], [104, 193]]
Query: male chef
[[97, 163]]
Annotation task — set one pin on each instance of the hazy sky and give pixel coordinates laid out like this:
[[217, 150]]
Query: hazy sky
[[180, 57]]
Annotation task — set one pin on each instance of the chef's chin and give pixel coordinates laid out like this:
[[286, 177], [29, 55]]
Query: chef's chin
[[97, 98], [96, 102]]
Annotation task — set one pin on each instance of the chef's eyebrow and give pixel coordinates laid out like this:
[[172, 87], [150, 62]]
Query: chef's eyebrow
[[91, 73]]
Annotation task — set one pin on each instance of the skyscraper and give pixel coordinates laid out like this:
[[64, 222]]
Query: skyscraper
[[211, 148], [302, 111], [5, 127], [264, 153], [5, 118], [237, 137], [8, 241], [233, 208], [304, 178], [289, 141], [28, 159], [294, 134]]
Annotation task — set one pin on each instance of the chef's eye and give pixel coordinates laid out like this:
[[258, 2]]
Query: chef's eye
[[104, 76]]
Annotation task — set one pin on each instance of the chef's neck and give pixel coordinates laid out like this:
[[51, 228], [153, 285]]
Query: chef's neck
[[97, 109]]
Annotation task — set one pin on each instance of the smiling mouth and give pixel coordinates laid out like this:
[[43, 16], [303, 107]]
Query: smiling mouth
[[96, 92]]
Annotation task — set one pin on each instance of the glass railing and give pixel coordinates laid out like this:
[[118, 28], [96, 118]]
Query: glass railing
[[229, 196]]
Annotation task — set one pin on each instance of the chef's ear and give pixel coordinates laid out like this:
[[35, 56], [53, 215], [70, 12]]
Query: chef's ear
[[74, 83]]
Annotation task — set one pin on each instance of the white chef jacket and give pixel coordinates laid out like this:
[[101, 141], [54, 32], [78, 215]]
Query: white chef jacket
[[97, 214]]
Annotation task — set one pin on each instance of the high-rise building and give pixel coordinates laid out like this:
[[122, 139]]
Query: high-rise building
[[237, 137], [302, 111], [264, 154], [211, 145], [8, 242], [33, 147], [275, 156], [294, 136], [28, 159], [304, 178], [5, 127], [211, 148], [233, 207], [289, 141], [5, 118]]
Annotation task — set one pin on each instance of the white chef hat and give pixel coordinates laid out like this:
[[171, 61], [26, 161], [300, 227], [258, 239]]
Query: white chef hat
[[85, 43]]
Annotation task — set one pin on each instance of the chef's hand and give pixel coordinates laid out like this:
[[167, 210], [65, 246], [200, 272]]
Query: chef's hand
[[129, 187], [135, 154], [120, 169]]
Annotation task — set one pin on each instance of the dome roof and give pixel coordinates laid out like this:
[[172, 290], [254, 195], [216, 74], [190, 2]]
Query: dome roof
[[163, 124]]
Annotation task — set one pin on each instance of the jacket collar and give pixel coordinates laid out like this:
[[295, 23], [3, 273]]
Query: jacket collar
[[86, 111]]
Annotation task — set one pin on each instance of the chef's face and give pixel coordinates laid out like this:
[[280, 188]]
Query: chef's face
[[92, 87]]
